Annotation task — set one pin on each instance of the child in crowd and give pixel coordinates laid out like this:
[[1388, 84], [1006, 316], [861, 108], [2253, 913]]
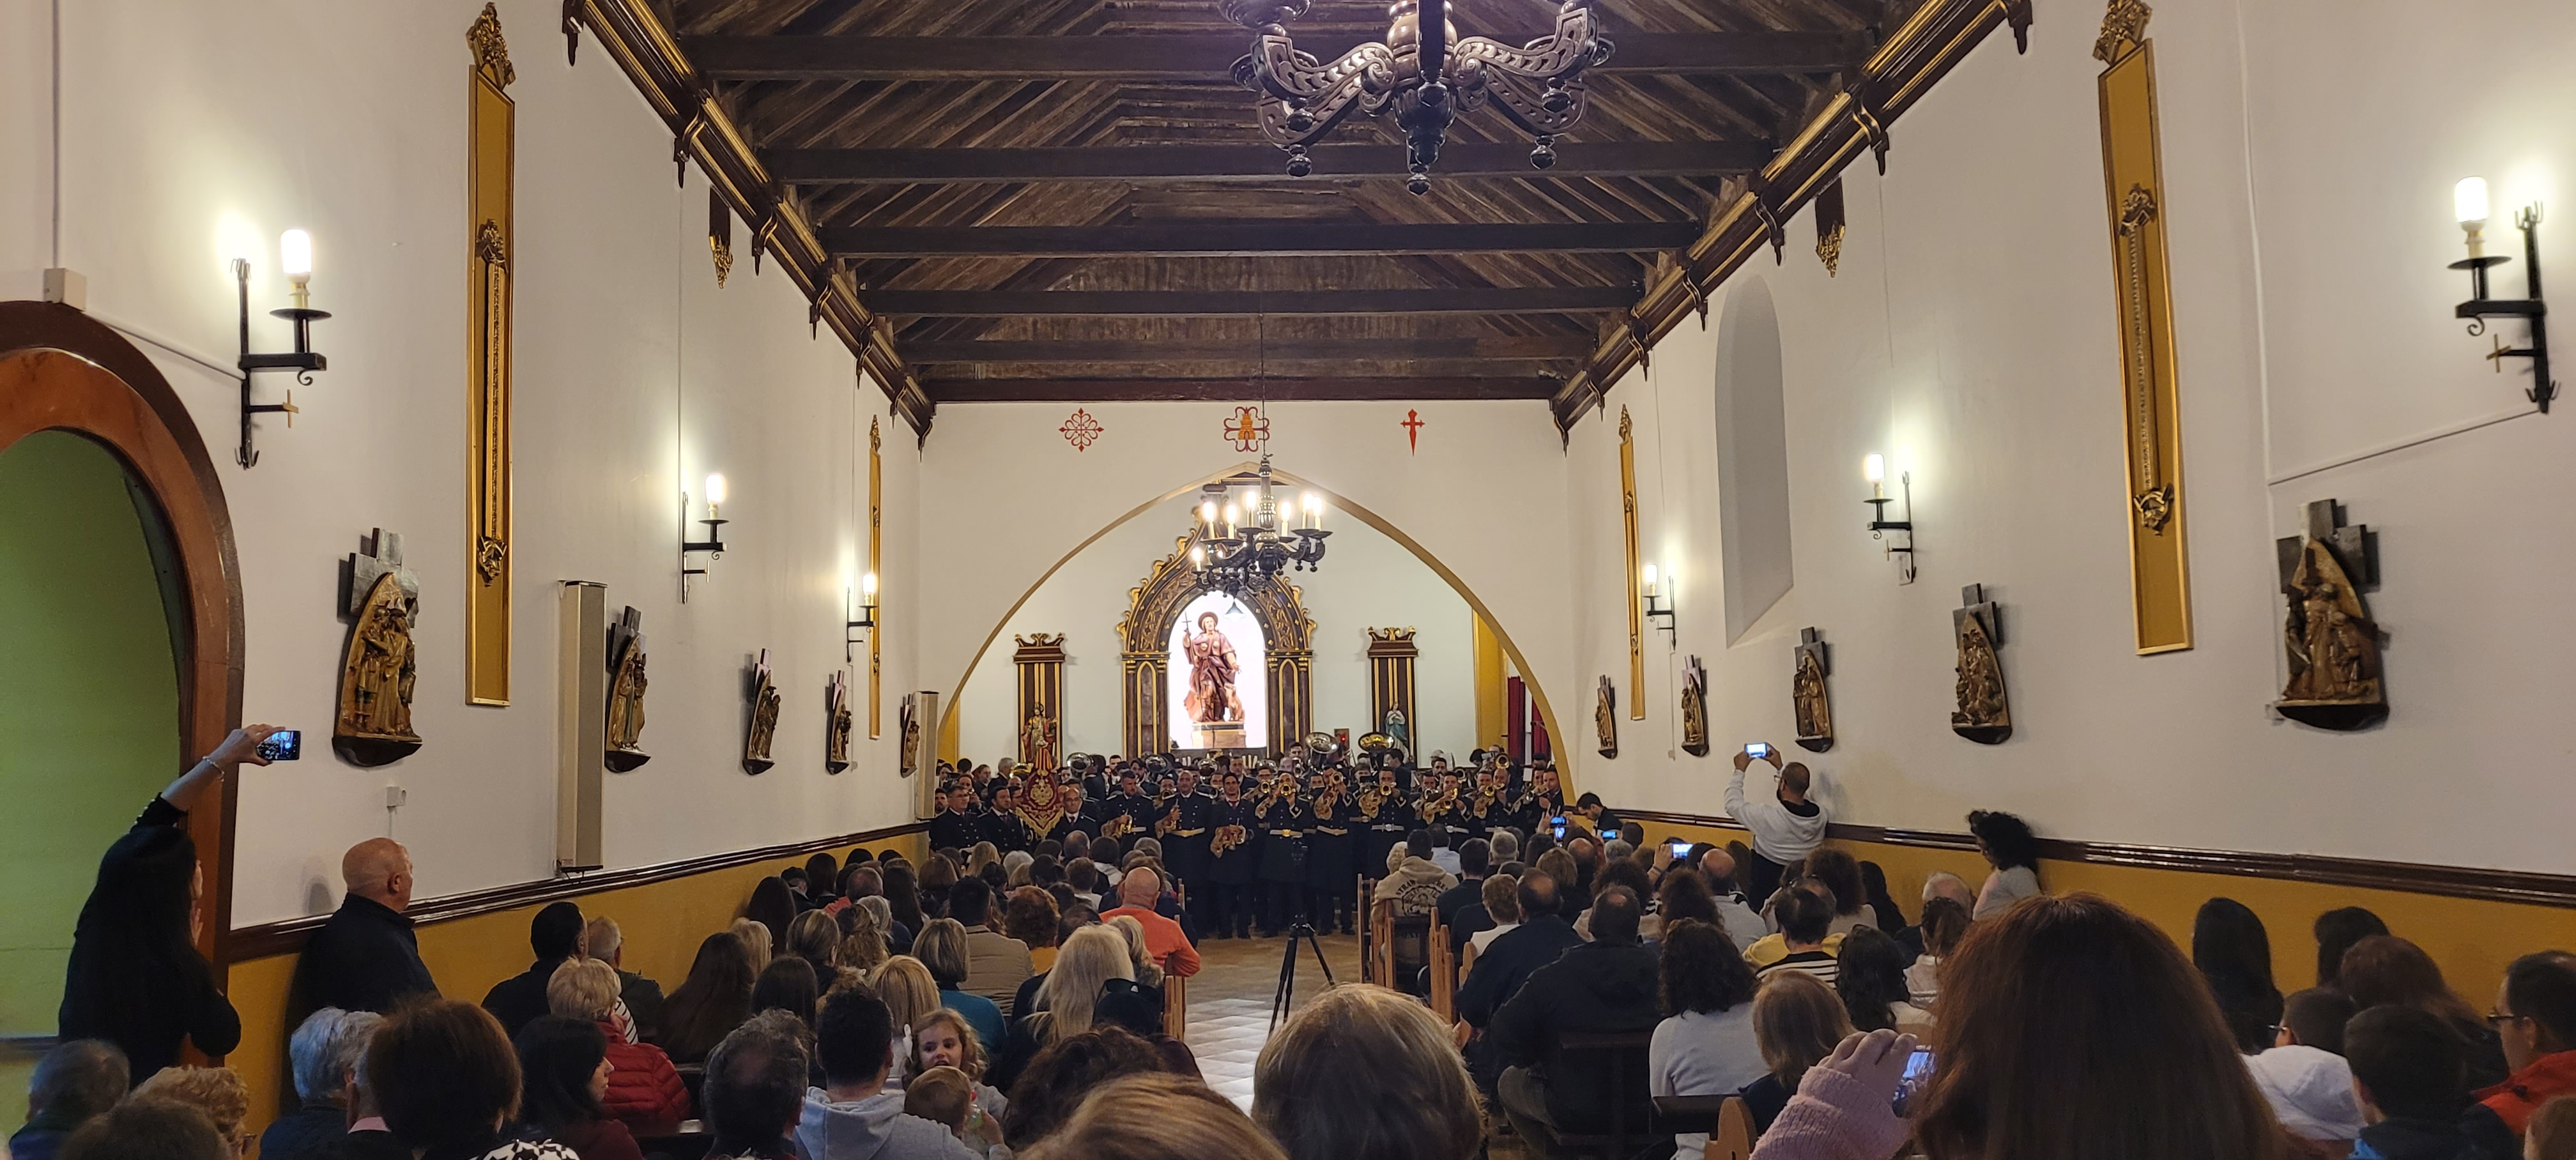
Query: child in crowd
[[944, 1096]]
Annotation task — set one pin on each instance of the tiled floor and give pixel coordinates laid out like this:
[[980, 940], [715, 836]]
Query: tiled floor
[[1231, 997]]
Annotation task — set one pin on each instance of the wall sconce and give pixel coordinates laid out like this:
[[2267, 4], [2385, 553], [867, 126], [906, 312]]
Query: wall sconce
[[1658, 606], [1880, 527], [864, 617], [295, 257], [713, 545], [2469, 199]]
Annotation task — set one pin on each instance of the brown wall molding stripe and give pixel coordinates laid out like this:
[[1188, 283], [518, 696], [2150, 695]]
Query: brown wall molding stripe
[[286, 937], [2553, 890]]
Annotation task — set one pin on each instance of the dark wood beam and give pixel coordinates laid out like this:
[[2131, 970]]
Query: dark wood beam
[[1254, 163], [1142, 350], [1236, 239], [1248, 303], [1221, 390], [1207, 57]]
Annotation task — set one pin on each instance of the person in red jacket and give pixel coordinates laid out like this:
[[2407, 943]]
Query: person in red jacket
[[2536, 1015], [644, 1090]]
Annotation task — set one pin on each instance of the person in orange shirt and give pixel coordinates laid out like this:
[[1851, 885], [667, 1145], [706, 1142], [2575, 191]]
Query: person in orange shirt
[[1137, 894]]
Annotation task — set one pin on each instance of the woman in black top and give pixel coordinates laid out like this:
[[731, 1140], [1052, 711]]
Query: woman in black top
[[135, 978]]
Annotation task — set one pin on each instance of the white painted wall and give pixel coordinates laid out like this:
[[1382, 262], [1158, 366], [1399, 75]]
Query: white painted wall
[[1006, 500], [185, 124], [1368, 581], [2308, 164]]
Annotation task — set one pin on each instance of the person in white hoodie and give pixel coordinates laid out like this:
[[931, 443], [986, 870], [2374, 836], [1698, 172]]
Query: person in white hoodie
[[855, 1116], [2305, 1077], [1786, 825]]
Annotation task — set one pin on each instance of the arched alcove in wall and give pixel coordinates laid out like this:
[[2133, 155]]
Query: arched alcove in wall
[[1337, 570], [1752, 456]]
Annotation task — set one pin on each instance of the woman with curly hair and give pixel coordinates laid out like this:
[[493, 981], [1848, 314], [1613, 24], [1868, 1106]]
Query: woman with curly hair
[[2013, 851]]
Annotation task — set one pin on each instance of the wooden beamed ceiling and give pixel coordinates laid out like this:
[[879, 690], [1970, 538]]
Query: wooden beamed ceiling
[[1070, 200]]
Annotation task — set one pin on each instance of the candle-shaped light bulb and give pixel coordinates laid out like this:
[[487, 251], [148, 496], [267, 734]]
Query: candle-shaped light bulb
[[868, 587], [715, 493], [1314, 510], [1874, 469], [1207, 513], [2469, 204], [1233, 516], [1650, 579], [1198, 558], [295, 257]]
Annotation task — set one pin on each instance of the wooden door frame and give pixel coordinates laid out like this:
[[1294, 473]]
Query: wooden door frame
[[61, 370]]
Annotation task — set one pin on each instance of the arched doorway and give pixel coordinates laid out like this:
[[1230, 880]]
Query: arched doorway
[[1338, 503], [87, 423]]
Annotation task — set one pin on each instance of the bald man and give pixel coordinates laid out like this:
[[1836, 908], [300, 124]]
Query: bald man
[[1139, 894], [366, 957]]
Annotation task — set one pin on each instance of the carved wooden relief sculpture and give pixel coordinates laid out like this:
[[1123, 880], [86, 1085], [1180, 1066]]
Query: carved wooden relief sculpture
[[1040, 664], [764, 717], [626, 686], [2333, 644], [908, 727], [837, 719], [1605, 717], [1984, 714], [1694, 707], [2160, 577], [1807, 697], [491, 247], [373, 723], [1636, 583]]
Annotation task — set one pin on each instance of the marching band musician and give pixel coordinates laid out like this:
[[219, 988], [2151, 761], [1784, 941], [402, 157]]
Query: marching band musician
[[1438, 807], [1230, 858], [1075, 817], [1331, 845], [1283, 823], [1181, 822], [1385, 819], [955, 826], [1002, 825], [1128, 816]]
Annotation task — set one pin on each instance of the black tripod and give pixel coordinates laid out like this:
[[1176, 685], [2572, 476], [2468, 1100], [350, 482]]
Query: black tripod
[[1288, 971]]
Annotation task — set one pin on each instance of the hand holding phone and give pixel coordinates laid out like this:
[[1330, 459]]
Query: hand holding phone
[[1757, 750], [1679, 847], [1910, 1082], [283, 745]]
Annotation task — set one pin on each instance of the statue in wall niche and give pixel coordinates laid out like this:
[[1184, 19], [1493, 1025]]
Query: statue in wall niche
[[1396, 731], [1807, 699], [626, 692], [836, 722], [372, 724], [764, 717], [1694, 707], [1984, 715], [1605, 717], [2333, 644]]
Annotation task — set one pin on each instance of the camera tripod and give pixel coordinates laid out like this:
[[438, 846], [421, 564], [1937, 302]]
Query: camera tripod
[[1287, 993]]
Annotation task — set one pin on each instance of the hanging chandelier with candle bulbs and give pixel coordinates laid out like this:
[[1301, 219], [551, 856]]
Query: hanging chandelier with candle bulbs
[[1247, 532], [1424, 74]]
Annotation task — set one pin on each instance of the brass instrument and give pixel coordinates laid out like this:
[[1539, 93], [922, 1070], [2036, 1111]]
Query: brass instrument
[[1321, 744], [1227, 838], [1371, 800], [1375, 743], [1114, 826]]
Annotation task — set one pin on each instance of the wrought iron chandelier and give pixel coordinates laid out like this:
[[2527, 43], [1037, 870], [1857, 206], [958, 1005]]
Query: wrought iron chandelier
[[1246, 535], [1423, 73]]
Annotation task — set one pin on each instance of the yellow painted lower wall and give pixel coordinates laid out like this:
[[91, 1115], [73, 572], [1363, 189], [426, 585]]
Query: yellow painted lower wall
[[2472, 939], [662, 924]]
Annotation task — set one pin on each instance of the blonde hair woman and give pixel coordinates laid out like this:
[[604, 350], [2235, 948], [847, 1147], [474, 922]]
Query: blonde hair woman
[[982, 855], [910, 996], [1133, 930], [1067, 999], [644, 1090], [816, 938], [1797, 1022], [1155, 1117], [755, 938], [1364, 1073], [216, 1092]]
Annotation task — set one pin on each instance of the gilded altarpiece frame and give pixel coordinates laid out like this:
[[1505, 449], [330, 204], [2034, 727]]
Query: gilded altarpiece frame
[[1144, 636], [2151, 420], [1391, 653], [490, 241], [1039, 662]]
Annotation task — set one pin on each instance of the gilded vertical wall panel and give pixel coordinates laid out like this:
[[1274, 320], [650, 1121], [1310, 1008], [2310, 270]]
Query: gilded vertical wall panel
[[876, 567], [1636, 584], [2151, 451], [490, 253], [1391, 653]]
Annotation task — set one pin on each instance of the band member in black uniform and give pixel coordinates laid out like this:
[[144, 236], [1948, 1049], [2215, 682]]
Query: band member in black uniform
[[1077, 818], [1385, 818], [1546, 798], [1437, 804], [955, 826], [1095, 777], [1002, 825], [1180, 822], [1129, 816], [1284, 821], [1332, 842], [1230, 858]]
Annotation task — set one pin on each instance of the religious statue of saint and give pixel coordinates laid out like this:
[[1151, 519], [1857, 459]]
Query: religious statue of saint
[[381, 685], [626, 700], [908, 761], [1807, 698], [1037, 742], [1395, 730], [764, 718], [1212, 697], [836, 725], [1694, 708], [2333, 643]]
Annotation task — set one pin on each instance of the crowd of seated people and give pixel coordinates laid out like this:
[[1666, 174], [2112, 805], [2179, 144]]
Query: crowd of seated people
[[2065, 1026]]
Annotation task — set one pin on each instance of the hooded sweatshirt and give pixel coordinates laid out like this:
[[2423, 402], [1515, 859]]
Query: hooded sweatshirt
[[1598, 988], [1780, 834], [2310, 1091], [874, 1128]]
